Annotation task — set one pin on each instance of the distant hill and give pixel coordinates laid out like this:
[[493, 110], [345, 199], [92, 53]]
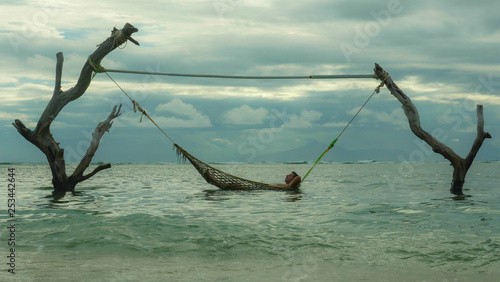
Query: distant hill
[[341, 153], [312, 150]]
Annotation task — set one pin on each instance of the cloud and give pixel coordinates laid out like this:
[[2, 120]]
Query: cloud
[[396, 117], [190, 117], [6, 119], [222, 141], [12, 116], [304, 120], [196, 121], [176, 106], [245, 115], [41, 62], [335, 124], [440, 63], [460, 97]]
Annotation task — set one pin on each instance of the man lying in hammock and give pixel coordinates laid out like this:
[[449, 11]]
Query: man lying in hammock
[[292, 181]]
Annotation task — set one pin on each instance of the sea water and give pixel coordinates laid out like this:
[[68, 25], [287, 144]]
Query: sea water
[[348, 222]]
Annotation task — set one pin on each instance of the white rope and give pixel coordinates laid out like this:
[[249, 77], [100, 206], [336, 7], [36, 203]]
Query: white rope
[[383, 77], [118, 38]]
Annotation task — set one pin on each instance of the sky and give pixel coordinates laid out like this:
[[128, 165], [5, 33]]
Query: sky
[[443, 54]]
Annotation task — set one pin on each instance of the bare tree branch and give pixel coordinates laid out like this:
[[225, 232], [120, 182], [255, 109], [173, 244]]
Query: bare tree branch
[[41, 136], [459, 164], [481, 135], [101, 128], [59, 67], [96, 170]]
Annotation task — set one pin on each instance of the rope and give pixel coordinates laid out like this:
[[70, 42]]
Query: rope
[[337, 76], [136, 105], [118, 38], [98, 68], [140, 109], [385, 76]]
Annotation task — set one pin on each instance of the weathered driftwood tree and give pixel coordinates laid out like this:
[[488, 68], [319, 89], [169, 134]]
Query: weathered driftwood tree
[[460, 165], [41, 136]]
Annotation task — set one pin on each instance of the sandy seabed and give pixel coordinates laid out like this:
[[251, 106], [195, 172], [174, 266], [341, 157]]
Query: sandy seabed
[[75, 267]]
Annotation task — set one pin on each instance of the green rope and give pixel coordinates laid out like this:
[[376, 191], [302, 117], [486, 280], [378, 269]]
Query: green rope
[[97, 68], [320, 157], [377, 90]]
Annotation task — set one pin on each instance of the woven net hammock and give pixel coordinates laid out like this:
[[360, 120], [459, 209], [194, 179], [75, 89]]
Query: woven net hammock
[[223, 180]]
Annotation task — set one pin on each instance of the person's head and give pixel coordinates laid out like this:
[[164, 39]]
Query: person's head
[[290, 177]]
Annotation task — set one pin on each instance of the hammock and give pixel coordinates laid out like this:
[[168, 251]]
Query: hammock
[[223, 180]]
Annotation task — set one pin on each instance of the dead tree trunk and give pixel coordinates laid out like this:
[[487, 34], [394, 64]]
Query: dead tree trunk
[[460, 165], [41, 136]]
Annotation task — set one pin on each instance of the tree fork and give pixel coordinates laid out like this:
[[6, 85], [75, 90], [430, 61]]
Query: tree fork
[[460, 165], [41, 136]]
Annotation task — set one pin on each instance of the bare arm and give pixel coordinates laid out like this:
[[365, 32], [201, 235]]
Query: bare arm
[[294, 184]]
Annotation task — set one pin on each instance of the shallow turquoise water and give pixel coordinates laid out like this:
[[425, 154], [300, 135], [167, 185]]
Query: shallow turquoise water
[[357, 222]]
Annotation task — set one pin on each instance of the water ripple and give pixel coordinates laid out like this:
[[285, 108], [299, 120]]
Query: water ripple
[[346, 216]]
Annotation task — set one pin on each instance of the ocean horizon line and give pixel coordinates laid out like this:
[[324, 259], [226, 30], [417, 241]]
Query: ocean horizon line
[[368, 161]]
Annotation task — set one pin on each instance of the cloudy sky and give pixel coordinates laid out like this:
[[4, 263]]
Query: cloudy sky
[[443, 54]]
